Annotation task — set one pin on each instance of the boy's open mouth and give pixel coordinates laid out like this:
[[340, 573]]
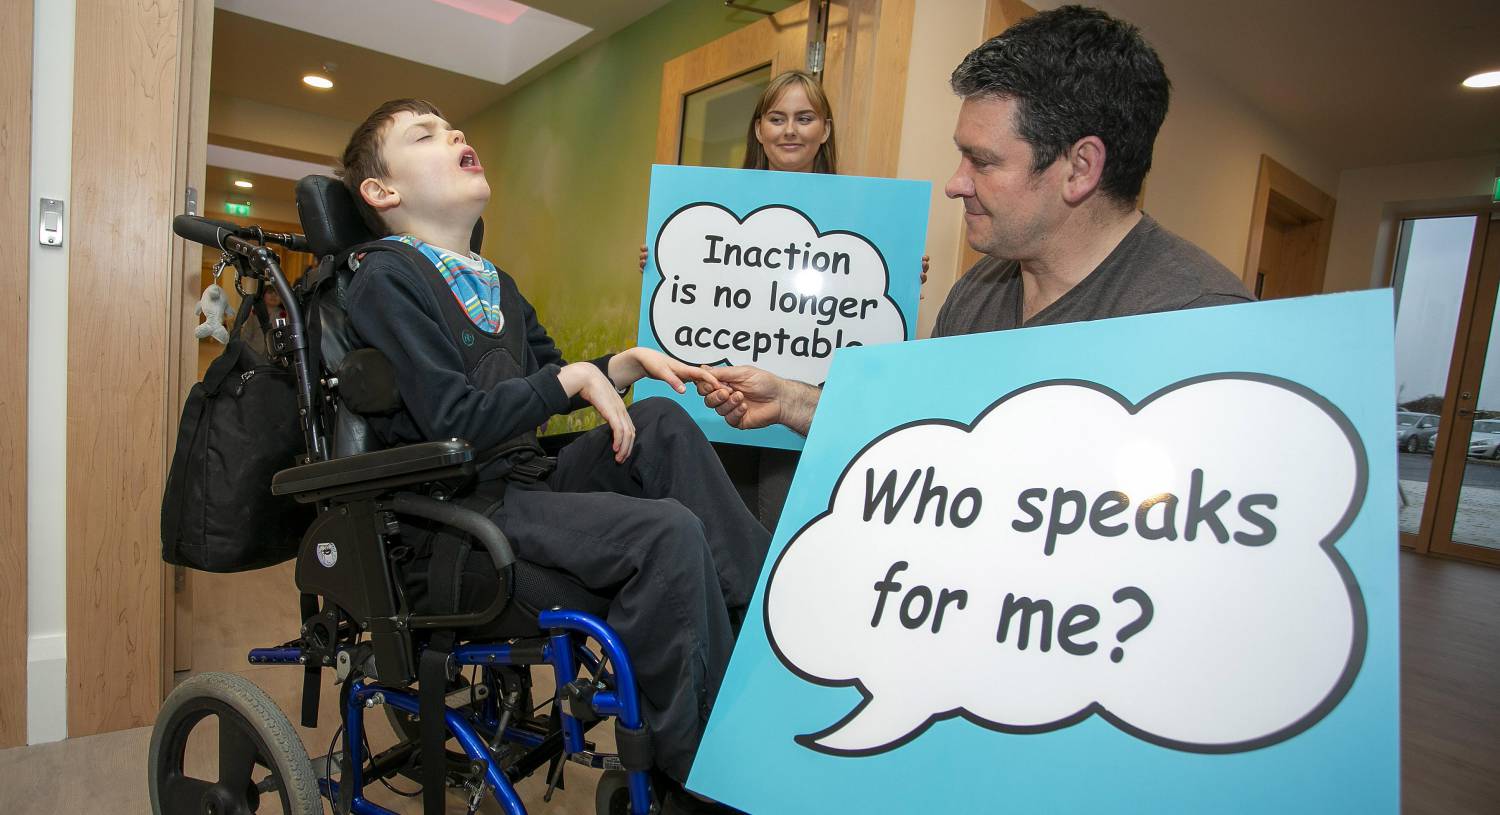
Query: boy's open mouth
[[469, 160]]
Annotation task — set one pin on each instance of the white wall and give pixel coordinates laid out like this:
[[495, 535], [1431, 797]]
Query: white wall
[[1207, 161], [47, 377], [1371, 201], [278, 126], [943, 31]]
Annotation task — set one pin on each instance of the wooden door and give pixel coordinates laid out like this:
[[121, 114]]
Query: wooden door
[[859, 48], [749, 56], [1290, 229]]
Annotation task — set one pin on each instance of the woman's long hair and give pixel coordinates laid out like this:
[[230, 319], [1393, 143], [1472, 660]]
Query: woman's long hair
[[826, 161]]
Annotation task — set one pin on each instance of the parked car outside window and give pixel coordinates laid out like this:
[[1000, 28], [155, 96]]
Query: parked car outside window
[[1484, 439], [1415, 431]]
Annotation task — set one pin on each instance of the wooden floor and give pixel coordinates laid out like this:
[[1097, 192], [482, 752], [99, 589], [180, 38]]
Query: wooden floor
[[1450, 690], [1450, 686]]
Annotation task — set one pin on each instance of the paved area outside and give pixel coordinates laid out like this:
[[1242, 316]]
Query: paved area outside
[[1478, 519]]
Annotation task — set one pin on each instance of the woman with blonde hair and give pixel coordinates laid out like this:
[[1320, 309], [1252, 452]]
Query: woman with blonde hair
[[791, 129]]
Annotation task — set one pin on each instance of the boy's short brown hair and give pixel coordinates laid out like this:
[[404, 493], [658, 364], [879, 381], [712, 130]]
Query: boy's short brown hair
[[362, 158]]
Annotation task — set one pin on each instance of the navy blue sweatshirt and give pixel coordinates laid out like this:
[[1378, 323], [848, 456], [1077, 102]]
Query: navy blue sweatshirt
[[396, 312]]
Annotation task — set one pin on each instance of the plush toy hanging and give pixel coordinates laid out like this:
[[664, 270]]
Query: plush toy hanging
[[214, 307]]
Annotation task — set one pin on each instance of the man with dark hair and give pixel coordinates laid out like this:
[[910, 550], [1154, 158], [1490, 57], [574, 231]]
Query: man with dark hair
[[1059, 116]]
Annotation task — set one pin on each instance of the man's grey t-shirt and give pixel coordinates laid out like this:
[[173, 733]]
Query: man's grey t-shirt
[[1150, 270]]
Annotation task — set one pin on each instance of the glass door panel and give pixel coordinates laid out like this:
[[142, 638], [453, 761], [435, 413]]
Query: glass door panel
[[1432, 265]]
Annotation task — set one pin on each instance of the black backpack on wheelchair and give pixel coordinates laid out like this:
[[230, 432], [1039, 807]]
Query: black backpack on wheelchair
[[359, 618]]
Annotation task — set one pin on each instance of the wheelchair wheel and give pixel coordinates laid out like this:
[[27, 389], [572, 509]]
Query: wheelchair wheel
[[612, 796], [252, 732]]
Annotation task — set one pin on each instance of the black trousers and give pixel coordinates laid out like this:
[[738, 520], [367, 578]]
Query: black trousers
[[667, 537]]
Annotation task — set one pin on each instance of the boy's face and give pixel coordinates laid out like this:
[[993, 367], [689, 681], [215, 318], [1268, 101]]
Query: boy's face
[[433, 173]]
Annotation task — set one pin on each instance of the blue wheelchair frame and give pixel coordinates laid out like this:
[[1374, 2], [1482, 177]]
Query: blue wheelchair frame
[[559, 650], [561, 644]]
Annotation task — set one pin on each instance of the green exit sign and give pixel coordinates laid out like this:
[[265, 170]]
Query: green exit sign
[[237, 209], [1497, 189]]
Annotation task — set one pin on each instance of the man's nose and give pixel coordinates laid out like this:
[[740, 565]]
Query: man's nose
[[959, 185]]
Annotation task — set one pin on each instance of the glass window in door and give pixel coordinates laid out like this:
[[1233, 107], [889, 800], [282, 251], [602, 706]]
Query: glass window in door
[[715, 120], [1432, 264]]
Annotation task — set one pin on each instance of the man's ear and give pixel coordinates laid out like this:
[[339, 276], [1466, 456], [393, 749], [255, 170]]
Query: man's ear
[[1085, 169], [379, 196]]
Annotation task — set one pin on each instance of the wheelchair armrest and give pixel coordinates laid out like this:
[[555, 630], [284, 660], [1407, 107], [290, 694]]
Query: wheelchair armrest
[[479, 527], [376, 472]]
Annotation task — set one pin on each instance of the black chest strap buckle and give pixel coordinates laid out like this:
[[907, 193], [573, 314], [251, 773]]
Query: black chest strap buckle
[[531, 470]]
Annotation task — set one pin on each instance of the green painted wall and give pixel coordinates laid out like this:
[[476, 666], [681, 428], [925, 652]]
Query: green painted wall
[[568, 159]]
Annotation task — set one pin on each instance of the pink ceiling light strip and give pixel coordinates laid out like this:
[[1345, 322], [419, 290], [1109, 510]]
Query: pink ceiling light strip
[[504, 12]]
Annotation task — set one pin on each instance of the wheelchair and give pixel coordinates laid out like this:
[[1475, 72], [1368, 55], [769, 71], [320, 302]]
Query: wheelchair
[[358, 620]]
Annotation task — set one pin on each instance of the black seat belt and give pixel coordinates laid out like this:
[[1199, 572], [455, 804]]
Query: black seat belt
[[432, 688]]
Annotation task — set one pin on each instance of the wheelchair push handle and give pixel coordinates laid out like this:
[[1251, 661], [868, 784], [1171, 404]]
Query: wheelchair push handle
[[248, 245], [215, 233]]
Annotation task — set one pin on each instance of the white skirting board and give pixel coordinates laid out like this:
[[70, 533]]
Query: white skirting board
[[46, 688]]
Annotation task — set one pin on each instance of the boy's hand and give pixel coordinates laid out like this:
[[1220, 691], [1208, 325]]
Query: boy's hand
[[628, 366], [586, 380], [644, 254]]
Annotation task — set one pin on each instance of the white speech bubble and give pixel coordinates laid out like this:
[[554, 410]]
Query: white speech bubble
[[770, 291], [1254, 630]]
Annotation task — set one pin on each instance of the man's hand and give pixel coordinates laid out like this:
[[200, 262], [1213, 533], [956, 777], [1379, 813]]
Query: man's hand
[[748, 397], [586, 380], [626, 367]]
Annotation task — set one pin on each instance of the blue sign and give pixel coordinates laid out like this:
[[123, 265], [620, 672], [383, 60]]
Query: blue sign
[[1137, 565], [779, 271]]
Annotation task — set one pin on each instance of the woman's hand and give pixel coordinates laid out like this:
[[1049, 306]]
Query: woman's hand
[[626, 367], [586, 380], [925, 260]]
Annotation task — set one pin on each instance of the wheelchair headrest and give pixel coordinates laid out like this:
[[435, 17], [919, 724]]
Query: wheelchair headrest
[[332, 221]]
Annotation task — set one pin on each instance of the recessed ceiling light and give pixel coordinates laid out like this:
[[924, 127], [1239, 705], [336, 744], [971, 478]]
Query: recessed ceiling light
[[243, 184], [1488, 79], [320, 82]]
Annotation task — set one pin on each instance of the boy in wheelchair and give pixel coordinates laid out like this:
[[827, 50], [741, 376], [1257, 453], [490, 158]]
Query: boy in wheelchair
[[640, 511]]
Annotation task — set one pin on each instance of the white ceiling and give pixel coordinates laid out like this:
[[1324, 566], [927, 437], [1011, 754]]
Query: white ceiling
[[467, 37], [1363, 82]]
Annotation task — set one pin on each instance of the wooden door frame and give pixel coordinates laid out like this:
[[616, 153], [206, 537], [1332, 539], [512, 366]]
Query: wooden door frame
[[194, 69], [868, 49], [1477, 313], [1443, 462], [15, 269], [1274, 177]]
